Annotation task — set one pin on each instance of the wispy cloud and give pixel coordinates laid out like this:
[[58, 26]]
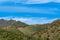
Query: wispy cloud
[[57, 1], [16, 1], [28, 9], [37, 1], [41, 1], [31, 20], [31, 1]]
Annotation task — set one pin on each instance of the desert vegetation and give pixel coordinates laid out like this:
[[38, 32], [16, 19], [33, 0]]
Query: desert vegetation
[[16, 30]]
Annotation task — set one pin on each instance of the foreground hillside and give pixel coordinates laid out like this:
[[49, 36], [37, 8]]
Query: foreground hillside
[[16, 30]]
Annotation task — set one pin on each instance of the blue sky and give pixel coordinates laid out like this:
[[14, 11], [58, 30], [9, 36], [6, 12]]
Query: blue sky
[[30, 11]]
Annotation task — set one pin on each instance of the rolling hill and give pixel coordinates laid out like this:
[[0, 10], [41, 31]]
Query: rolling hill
[[16, 30]]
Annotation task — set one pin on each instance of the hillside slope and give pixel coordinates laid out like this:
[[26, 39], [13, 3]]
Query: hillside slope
[[20, 31]]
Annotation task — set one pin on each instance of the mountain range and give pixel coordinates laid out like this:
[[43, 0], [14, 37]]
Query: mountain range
[[4, 23], [17, 30]]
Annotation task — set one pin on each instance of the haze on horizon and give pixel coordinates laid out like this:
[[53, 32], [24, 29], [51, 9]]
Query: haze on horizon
[[30, 11]]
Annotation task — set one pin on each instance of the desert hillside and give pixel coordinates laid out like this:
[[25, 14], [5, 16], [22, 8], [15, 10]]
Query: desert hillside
[[17, 30]]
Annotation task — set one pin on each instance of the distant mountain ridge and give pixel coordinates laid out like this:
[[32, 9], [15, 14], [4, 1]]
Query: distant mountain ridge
[[4, 23]]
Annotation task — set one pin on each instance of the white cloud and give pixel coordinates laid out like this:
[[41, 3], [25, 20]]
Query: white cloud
[[30, 20]]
